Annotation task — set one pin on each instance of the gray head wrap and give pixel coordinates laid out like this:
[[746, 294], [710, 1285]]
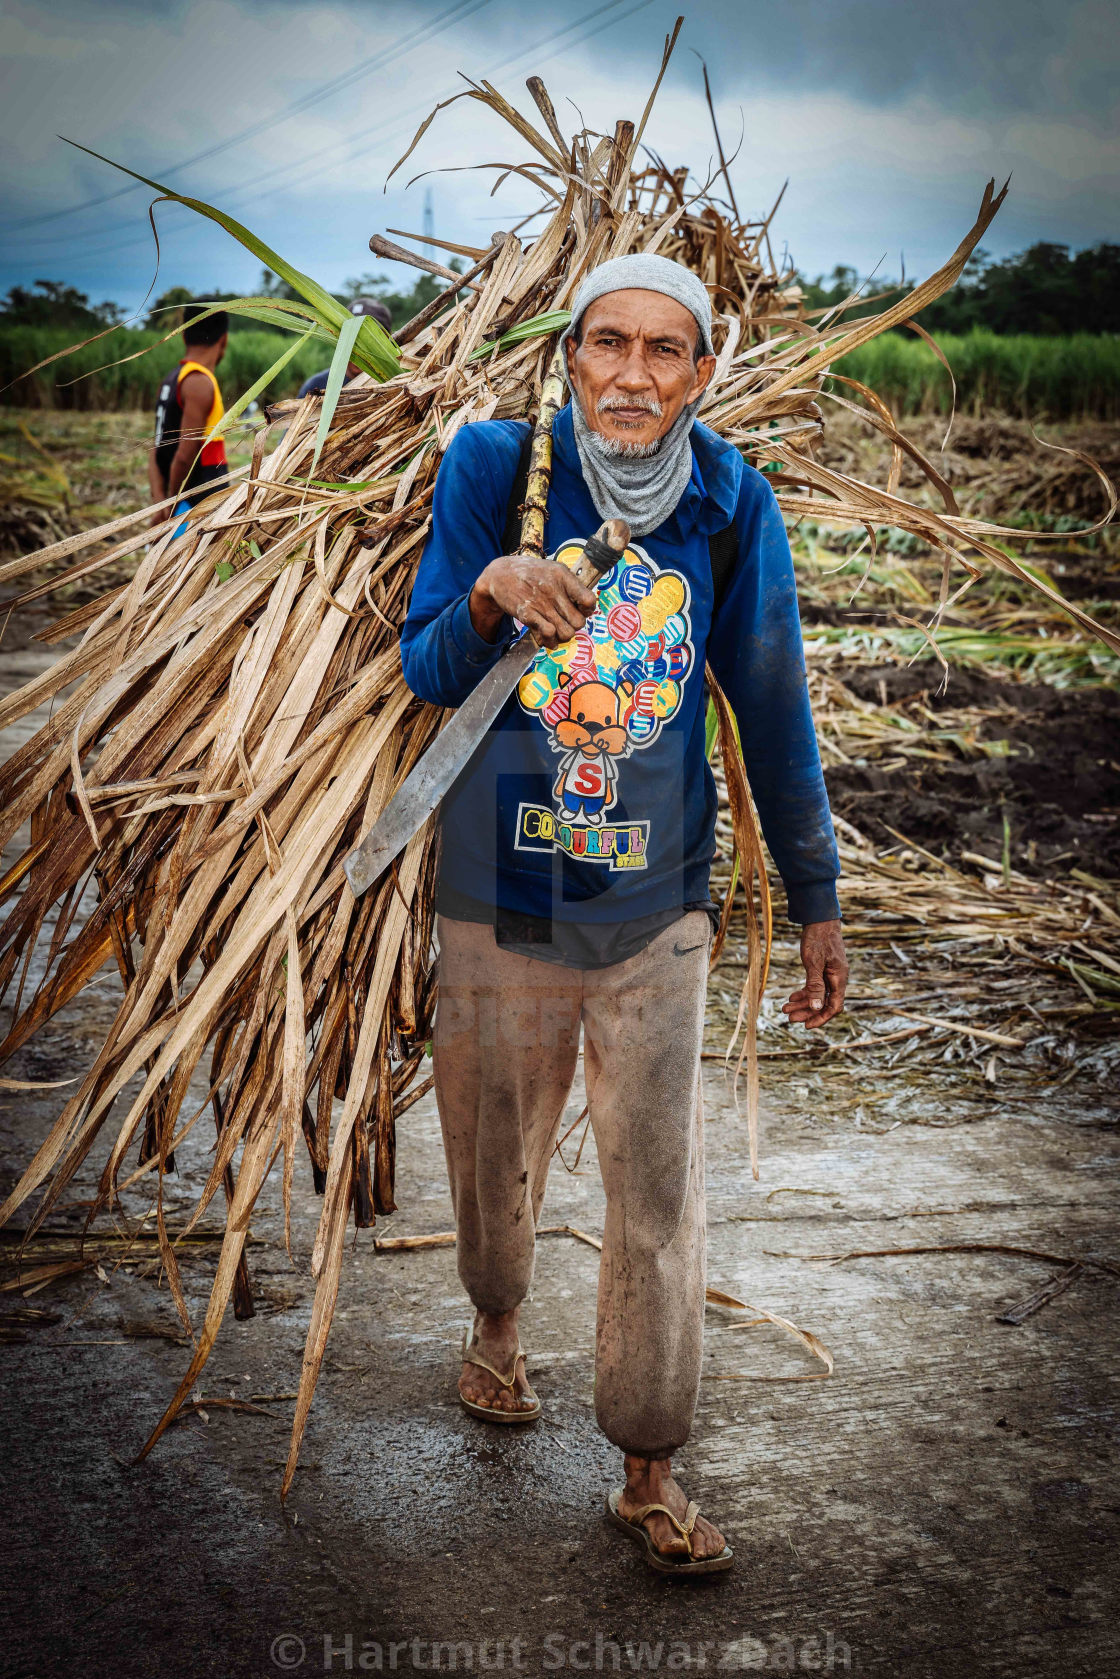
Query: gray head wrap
[[642, 489]]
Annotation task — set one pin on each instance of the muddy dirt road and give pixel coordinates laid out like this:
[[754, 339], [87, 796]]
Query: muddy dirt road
[[945, 1502]]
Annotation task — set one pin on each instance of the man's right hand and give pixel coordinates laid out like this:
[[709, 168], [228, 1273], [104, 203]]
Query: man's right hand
[[544, 595]]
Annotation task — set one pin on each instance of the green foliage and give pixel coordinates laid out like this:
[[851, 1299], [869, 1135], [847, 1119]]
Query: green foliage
[[402, 305], [133, 383], [1060, 378], [1025, 375], [336, 376], [537, 327], [262, 386], [1063, 661], [167, 310], [165, 313], [53, 303], [1044, 290], [374, 352]]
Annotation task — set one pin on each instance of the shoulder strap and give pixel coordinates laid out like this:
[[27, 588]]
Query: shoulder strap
[[189, 366], [511, 534], [217, 407], [723, 551]]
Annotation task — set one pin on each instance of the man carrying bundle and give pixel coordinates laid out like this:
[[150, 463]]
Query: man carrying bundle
[[576, 849]]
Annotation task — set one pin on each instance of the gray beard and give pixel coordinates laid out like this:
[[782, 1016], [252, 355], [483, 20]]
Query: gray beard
[[617, 448]]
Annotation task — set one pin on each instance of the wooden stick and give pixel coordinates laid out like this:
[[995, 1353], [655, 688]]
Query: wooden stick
[[392, 252], [548, 112], [471, 251], [985, 1036], [416, 325], [1016, 1315]]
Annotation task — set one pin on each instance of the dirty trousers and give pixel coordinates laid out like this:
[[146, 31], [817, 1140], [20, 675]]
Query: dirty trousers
[[505, 1047]]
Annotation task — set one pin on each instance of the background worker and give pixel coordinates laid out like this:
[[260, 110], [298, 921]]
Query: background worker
[[183, 461], [360, 306]]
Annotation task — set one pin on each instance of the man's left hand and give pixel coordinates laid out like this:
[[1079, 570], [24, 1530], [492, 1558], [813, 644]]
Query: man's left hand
[[826, 976]]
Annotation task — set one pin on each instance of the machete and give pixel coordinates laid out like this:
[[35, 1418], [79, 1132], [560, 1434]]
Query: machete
[[421, 791]]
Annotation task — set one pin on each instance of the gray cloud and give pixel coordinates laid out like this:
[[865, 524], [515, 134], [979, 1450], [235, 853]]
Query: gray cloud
[[967, 54], [887, 117]]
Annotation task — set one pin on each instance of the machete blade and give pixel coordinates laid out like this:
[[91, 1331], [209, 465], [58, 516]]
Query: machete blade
[[422, 790], [424, 786]]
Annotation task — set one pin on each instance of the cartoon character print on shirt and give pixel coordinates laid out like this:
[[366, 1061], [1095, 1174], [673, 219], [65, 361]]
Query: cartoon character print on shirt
[[603, 696], [593, 738]]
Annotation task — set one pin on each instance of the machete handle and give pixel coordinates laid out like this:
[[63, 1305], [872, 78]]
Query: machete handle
[[599, 554], [601, 551]]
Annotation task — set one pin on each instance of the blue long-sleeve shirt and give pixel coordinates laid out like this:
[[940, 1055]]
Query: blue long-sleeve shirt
[[590, 799]]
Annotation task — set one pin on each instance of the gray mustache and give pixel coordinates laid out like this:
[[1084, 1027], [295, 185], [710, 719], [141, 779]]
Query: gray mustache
[[607, 404]]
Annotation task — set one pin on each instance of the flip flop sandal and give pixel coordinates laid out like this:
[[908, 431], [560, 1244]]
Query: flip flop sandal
[[485, 1411], [663, 1563]]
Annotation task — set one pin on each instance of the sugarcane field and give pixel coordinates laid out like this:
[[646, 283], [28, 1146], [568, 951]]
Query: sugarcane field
[[560, 822]]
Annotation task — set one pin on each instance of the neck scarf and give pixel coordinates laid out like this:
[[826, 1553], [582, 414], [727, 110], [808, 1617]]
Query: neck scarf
[[642, 489]]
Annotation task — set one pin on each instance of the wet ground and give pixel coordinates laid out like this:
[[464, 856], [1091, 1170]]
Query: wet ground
[[945, 1503]]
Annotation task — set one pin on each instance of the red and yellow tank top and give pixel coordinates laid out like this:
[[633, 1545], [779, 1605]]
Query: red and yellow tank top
[[211, 460], [213, 454]]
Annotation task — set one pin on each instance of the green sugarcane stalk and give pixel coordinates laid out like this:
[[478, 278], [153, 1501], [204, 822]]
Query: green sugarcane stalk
[[535, 505]]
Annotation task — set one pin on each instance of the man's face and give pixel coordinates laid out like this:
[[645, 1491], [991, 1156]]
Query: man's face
[[223, 342], [635, 367]]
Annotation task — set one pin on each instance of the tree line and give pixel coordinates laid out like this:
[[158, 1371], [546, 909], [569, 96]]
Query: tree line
[[52, 303], [1047, 290]]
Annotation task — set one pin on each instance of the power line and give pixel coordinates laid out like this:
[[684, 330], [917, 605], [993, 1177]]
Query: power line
[[390, 123], [426, 105], [457, 13], [290, 172]]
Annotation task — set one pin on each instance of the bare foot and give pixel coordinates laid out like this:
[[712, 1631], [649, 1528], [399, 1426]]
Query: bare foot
[[495, 1340], [650, 1481]]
